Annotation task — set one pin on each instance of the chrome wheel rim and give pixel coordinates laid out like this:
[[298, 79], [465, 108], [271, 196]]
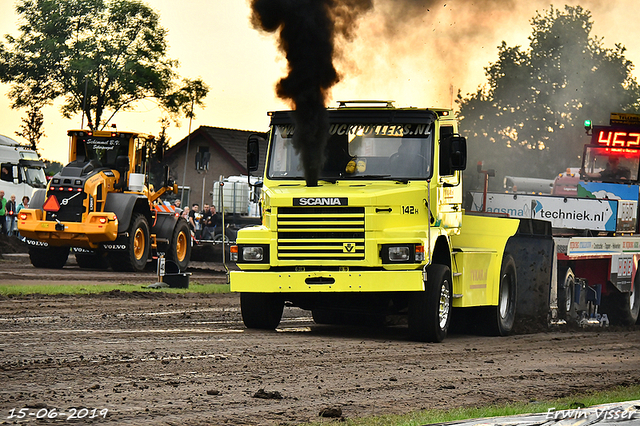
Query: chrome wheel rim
[[504, 296], [445, 305]]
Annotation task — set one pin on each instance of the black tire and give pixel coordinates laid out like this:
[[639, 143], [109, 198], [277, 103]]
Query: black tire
[[261, 311], [429, 313], [179, 250], [49, 257], [92, 261], [566, 291], [501, 318], [325, 316], [622, 308], [134, 258]]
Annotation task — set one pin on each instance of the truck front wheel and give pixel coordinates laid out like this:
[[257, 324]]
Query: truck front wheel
[[566, 291], [501, 318], [48, 257], [262, 311], [134, 258], [429, 314], [180, 246]]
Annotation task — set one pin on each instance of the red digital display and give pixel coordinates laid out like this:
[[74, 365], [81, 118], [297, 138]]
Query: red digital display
[[617, 138]]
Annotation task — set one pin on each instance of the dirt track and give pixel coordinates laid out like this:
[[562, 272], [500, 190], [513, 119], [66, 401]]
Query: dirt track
[[172, 359]]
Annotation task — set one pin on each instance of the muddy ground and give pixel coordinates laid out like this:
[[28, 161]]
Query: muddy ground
[[166, 359]]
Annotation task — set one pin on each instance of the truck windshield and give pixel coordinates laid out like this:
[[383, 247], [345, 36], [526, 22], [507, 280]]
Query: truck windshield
[[34, 176], [611, 164], [359, 152]]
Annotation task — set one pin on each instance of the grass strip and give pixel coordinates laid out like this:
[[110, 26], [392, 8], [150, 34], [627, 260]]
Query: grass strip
[[426, 417], [85, 288]]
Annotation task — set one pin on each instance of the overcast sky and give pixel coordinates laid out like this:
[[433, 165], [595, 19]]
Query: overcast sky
[[419, 63]]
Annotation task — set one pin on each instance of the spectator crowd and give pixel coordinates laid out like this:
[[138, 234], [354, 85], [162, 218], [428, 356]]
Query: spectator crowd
[[205, 224], [9, 213]]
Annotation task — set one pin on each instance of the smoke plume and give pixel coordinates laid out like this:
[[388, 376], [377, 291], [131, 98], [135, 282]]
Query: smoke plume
[[307, 33], [412, 51]]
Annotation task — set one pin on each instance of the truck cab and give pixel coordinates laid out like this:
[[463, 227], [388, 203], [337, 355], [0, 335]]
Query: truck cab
[[21, 171]]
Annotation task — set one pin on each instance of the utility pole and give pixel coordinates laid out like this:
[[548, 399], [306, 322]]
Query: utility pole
[[186, 156]]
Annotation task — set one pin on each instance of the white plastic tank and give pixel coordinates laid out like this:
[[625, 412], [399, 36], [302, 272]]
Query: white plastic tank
[[136, 182]]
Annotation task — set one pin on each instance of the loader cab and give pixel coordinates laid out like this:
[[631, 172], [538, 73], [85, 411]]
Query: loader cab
[[123, 152]]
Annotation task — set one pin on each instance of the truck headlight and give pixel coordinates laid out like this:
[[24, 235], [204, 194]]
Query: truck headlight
[[402, 253], [253, 253], [399, 254]]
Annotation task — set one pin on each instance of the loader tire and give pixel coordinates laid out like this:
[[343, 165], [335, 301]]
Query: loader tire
[[501, 318], [262, 311], [49, 257], [134, 258], [180, 246], [429, 313]]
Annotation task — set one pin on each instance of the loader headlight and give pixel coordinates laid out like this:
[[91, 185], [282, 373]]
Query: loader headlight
[[257, 253]]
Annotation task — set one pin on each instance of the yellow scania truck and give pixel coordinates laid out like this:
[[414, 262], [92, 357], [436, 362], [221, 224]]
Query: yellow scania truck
[[383, 232]]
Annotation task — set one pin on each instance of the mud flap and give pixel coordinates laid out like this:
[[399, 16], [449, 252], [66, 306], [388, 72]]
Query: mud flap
[[532, 248]]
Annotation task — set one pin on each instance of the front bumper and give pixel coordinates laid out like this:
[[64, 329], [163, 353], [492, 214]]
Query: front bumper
[[326, 282], [86, 234]]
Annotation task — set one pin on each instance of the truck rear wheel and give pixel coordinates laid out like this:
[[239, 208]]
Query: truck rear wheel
[[134, 258], [262, 311], [180, 247], [429, 314], [622, 308], [49, 257], [502, 317]]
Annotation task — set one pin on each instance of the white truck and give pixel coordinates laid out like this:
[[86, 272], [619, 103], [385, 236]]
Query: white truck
[[21, 171], [595, 230]]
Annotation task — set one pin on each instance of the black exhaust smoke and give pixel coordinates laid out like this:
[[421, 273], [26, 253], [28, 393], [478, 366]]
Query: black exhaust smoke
[[308, 30]]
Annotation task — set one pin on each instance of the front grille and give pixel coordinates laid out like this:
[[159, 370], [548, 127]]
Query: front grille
[[70, 210], [321, 233]]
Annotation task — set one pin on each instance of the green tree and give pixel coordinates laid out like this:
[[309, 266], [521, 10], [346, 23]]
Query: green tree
[[52, 167], [115, 51], [31, 127], [527, 120]]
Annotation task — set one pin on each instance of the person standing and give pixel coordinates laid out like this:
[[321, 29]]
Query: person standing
[[206, 214], [3, 213], [194, 220], [24, 204], [10, 210], [211, 222]]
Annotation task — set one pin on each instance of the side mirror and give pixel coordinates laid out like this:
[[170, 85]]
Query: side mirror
[[122, 163], [253, 153], [166, 180], [122, 166], [453, 154], [458, 153]]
